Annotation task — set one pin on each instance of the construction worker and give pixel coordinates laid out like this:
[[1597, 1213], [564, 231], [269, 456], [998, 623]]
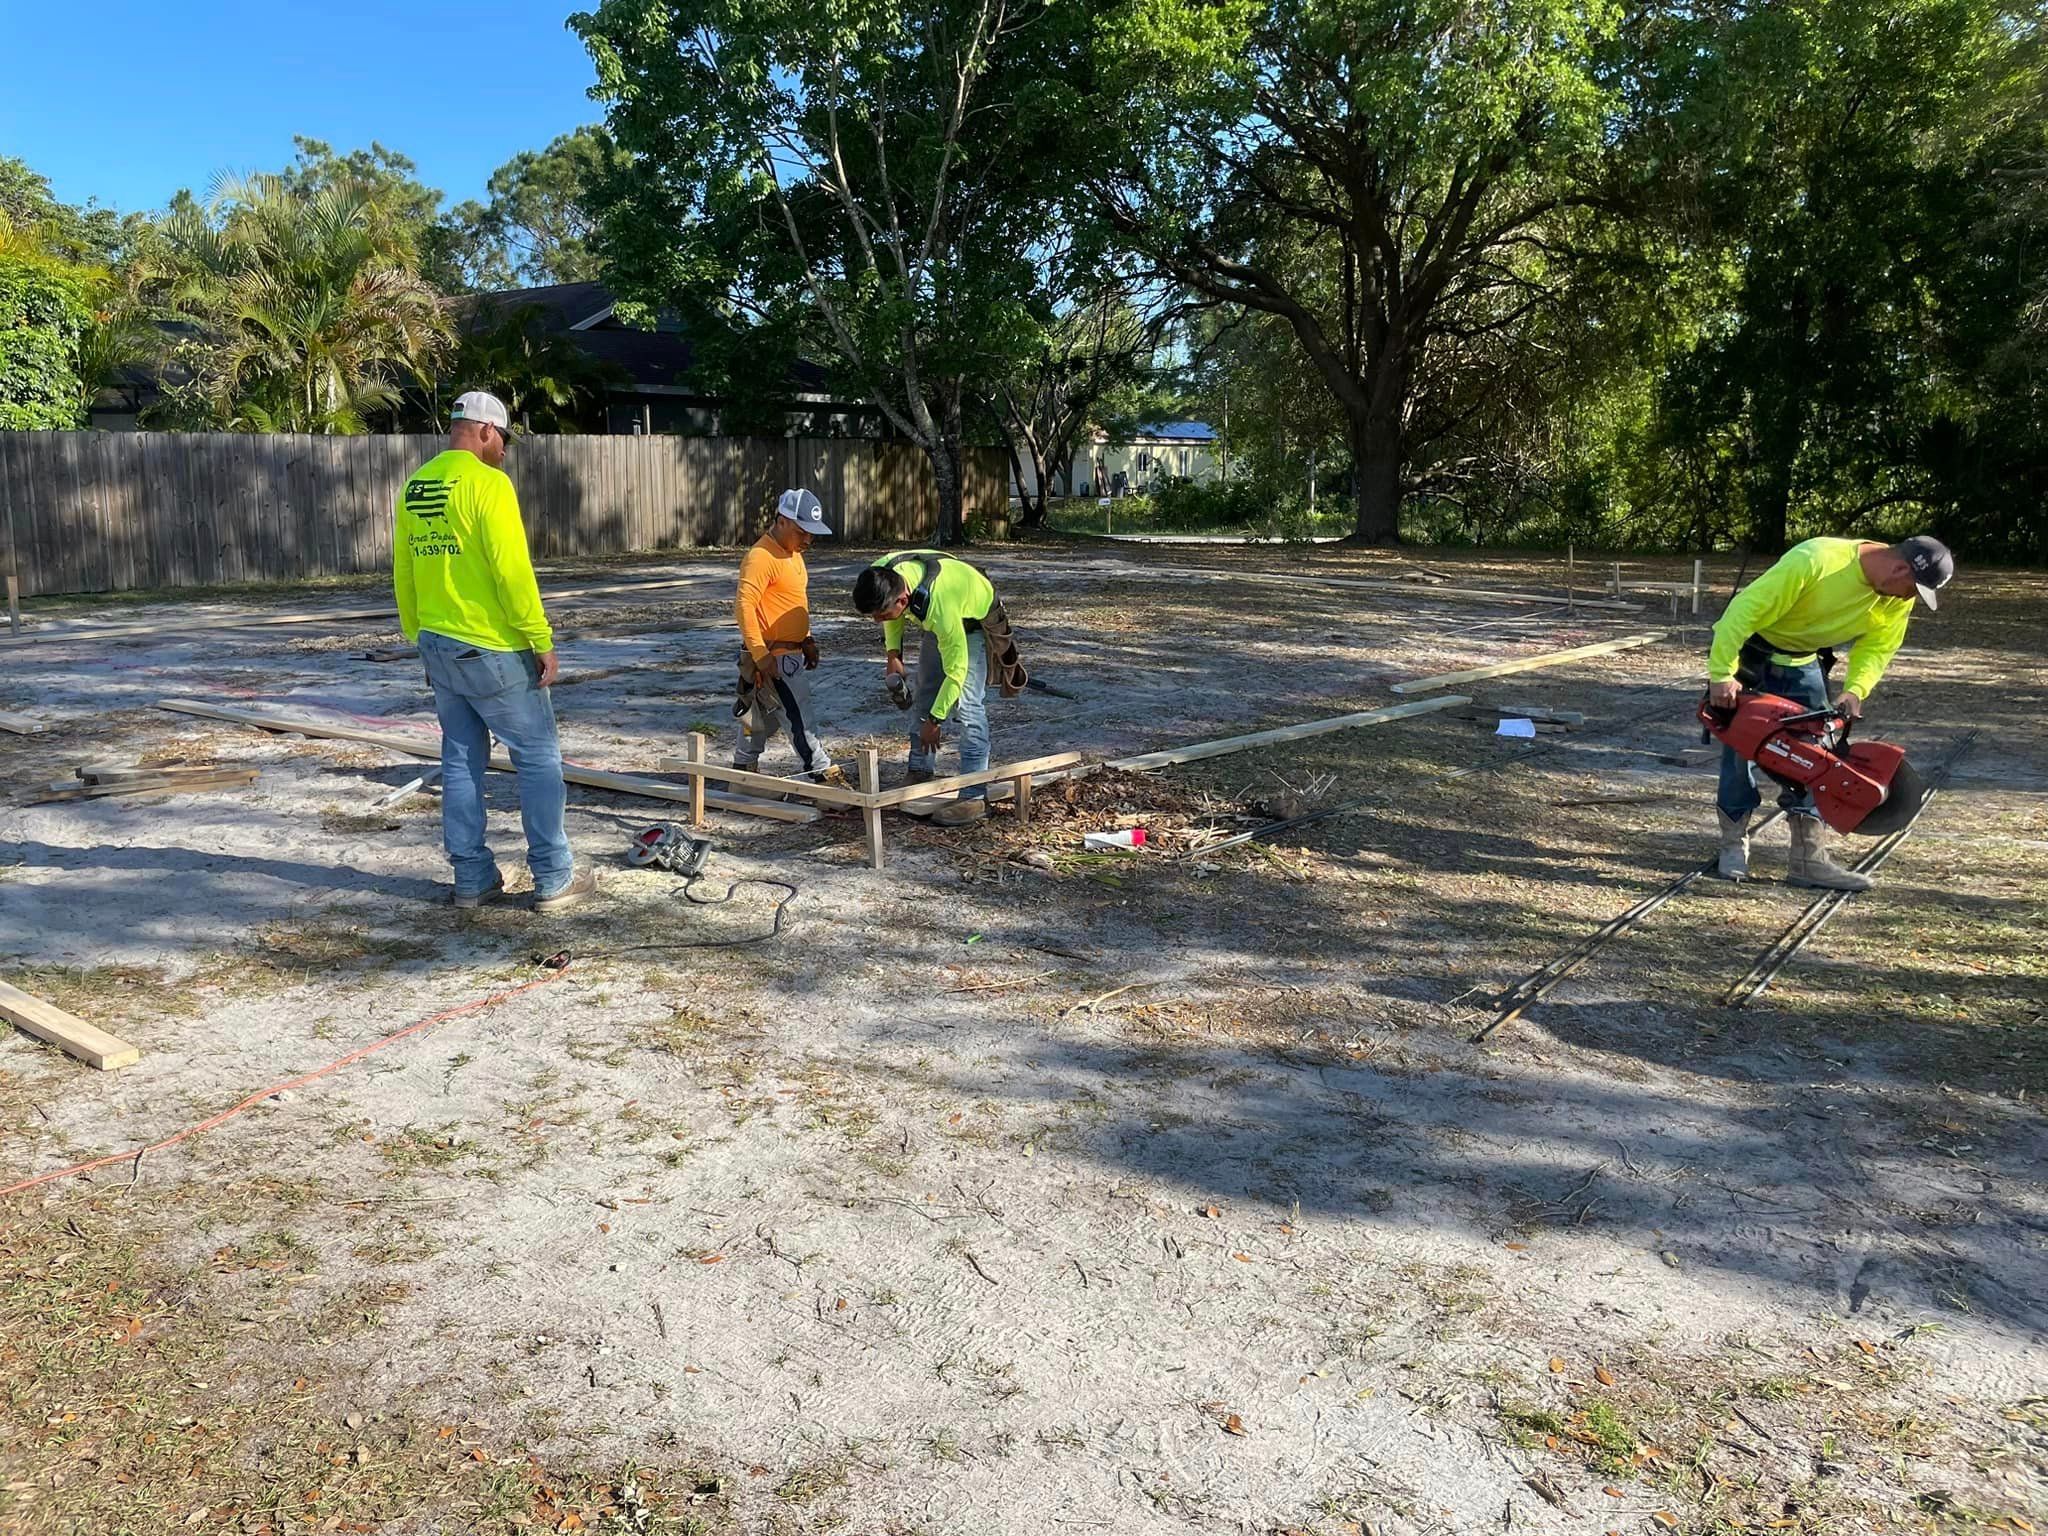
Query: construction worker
[[962, 624], [1779, 636], [776, 646], [467, 597]]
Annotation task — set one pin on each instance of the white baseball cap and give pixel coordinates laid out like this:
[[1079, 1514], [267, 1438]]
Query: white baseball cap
[[803, 509], [479, 406]]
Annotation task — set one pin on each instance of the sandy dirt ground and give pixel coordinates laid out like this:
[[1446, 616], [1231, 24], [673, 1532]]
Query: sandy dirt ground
[[1012, 1190]]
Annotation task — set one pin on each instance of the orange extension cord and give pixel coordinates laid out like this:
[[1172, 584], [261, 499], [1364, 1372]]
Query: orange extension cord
[[276, 1088]]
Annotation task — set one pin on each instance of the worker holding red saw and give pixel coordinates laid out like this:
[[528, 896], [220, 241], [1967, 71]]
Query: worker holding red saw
[[1779, 637]]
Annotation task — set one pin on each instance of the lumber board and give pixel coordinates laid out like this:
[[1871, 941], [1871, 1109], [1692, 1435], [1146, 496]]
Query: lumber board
[[72, 789], [1527, 663], [88, 1042], [104, 773], [770, 783], [22, 725], [1229, 744], [420, 746], [904, 793]]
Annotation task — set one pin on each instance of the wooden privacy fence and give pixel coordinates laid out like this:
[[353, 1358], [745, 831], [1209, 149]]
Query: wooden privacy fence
[[111, 511]]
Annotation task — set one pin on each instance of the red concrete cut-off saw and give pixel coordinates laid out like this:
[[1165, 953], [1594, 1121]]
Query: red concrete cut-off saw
[[1868, 788]]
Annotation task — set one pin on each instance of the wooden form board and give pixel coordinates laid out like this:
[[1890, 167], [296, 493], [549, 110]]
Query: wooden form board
[[88, 1042], [22, 725], [870, 799], [881, 799], [1527, 663], [1011, 772], [1230, 744], [417, 746]]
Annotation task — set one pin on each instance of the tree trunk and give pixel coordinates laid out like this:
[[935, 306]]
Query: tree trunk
[[1780, 427], [1375, 480], [1035, 511], [946, 456], [1030, 513]]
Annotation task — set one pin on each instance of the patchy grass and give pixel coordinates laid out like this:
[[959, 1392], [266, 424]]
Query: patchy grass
[[139, 1395], [1816, 1446], [274, 959]]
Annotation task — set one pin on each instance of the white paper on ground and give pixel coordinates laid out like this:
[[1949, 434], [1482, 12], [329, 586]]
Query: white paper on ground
[[1516, 728]]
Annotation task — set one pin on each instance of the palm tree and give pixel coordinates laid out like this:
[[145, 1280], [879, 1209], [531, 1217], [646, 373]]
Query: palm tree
[[308, 307]]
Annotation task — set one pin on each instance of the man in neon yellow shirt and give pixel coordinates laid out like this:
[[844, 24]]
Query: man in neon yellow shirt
[[467, 597], [949, 601], [1779, 635]]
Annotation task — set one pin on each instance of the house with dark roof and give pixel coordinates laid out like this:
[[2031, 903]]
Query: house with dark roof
[[651, 366]]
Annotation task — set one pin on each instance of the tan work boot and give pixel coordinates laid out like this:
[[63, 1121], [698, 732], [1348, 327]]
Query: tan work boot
[[1810, 863], [958, 813], [1734, 864], [581, 884]]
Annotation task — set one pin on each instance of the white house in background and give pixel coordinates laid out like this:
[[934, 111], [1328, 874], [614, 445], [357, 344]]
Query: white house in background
[[1155, 452]]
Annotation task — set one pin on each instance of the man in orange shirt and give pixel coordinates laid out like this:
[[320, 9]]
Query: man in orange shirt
[[776, 648]]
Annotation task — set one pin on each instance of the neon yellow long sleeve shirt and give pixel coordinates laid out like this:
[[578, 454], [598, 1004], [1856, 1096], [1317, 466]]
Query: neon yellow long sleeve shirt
[[1815, 596], [459, 561], [959, 593]]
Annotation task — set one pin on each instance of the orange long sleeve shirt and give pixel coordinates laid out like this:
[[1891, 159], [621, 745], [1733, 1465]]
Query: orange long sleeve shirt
[[774, 606]]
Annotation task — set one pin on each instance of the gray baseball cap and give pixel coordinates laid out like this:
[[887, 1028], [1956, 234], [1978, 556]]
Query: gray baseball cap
[[1933, 566], [803, 509]]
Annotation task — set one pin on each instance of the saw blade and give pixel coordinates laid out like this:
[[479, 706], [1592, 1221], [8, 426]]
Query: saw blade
[[1901, 802]]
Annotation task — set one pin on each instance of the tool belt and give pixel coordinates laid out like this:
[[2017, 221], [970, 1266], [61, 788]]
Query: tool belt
[[1005, 666], [1756, 655], [743, 699]]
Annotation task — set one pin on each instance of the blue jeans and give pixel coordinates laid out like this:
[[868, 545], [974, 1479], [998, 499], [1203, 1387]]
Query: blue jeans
[[969, 713], [479, 693], [1739, 794]]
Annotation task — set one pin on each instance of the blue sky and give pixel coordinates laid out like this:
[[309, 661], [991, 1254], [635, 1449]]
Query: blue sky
[[128, 102]]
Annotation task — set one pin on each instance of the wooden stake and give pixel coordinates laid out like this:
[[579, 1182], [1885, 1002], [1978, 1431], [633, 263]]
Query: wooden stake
[[870, 786], [89, 1043], [699, 746], [1021, 788], [14, 605], [1527, 663], [1699, 569]]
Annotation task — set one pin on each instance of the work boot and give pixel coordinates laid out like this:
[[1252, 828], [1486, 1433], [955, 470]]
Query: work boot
[[958, 813], [746, 764], [1811, 865], [581, 884], [1734, 864], [467, 901], [919, 776]]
